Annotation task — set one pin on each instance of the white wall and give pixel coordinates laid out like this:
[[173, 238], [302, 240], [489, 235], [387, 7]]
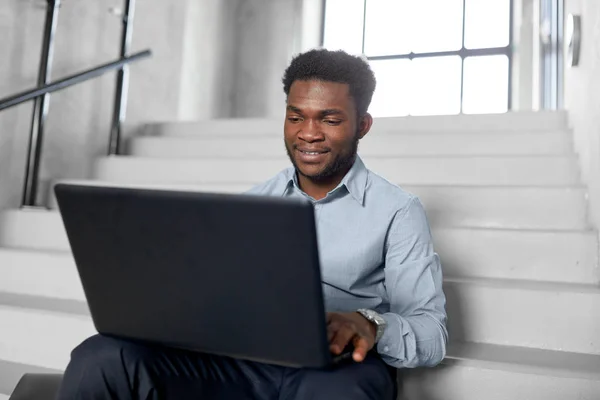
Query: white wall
[[582, 85], [524, 56]]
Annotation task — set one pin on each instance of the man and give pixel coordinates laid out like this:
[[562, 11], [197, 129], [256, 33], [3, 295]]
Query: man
[[382, 281]]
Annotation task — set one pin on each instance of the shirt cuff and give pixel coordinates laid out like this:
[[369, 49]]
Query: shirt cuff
[[391, 342]]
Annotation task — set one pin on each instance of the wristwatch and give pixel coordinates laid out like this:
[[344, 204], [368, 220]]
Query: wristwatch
[[375, 318]]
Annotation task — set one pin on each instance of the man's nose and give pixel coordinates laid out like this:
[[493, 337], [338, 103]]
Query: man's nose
[[311, 132]]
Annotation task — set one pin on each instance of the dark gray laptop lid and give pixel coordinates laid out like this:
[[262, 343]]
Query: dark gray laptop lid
[[233, 275]]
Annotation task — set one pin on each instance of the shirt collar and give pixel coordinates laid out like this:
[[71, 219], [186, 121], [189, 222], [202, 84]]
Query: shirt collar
[[355, 180], [291, 179]]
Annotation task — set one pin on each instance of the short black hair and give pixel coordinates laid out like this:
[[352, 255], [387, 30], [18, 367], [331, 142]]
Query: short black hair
[[334, 66]]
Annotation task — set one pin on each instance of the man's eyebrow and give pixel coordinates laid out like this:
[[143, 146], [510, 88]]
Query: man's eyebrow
[[322, 113], [331, 111]]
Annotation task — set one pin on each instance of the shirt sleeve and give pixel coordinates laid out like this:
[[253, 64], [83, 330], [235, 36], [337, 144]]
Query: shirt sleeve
[[416, 333]]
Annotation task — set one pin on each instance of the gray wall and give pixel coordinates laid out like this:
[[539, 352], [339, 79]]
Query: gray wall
[[207, 67], [269, 36], [79, 118], [236, 52], [582, 85], [212, 59], [20, 24]]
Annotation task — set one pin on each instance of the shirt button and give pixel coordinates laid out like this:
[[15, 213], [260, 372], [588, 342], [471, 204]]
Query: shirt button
[[386, 348]]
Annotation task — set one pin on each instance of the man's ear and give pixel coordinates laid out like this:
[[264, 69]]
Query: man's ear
[[364, 125]]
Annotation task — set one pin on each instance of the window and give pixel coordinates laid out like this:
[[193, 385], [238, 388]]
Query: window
[[429, 56]]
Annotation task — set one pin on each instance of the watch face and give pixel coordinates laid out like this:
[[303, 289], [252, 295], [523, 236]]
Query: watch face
[[376, 319], [373, 316], [379, 320]]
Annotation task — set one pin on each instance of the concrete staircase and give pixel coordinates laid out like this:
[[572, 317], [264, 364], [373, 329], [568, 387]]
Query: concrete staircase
[[509, 219]]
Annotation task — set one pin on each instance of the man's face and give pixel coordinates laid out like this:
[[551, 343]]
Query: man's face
[[321, 129]]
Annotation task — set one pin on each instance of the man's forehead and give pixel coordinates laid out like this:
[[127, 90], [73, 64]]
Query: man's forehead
[[319, 88], [319, 95]]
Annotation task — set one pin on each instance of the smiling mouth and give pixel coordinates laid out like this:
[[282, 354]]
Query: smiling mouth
[[311, 157], [310, 152]]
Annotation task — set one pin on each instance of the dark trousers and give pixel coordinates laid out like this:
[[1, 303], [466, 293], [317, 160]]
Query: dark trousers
[[107, 368]]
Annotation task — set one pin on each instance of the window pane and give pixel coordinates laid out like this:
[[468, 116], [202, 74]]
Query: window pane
[[424, 86], [437, 25], [402, 26], [486, 23], [344, 25], [388, 29], [485, 85], [435, 86], [392, 94]]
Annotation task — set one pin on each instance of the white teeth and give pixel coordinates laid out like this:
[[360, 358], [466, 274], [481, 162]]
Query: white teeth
[[312, 153]]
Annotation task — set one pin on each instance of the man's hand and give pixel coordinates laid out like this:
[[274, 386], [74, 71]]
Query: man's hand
[[346, 328]]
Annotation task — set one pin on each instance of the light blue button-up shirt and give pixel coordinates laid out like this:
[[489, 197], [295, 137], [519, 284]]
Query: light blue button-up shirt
[[376, 252]]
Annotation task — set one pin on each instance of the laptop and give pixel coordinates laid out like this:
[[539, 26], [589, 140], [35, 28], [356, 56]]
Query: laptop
[[225, 274]]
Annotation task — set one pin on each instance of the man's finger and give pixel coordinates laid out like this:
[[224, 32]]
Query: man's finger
[[341, 339], [329, 317], [332, 329], [330, 333], [334, 325], [361, 347]]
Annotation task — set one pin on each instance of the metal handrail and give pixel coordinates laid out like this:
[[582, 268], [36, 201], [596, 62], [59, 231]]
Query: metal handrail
[[71, 80], [40, 107], [121, 91], [41, 94]]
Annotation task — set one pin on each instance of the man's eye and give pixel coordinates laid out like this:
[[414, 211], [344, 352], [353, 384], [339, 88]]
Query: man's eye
[[294, 119], [332, 122]]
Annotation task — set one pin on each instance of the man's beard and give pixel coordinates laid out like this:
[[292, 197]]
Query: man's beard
[[341, 164]]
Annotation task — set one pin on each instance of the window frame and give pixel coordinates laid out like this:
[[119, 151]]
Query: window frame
[[463, 52], [552, 55]]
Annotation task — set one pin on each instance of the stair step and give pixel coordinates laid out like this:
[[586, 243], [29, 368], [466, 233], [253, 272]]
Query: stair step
[[40, 273], [474, 371], [497, 311], [513, 171], [464, 206], [567, 256], [527, 360], [546, 255], [10, 373], [59, 283], [32, 229], [551, 316], [374, 144], [63, 331], [32, 300], [506, 372], [57, 280], [40, 337], [471, 372], [504, 207], [513, 121]]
